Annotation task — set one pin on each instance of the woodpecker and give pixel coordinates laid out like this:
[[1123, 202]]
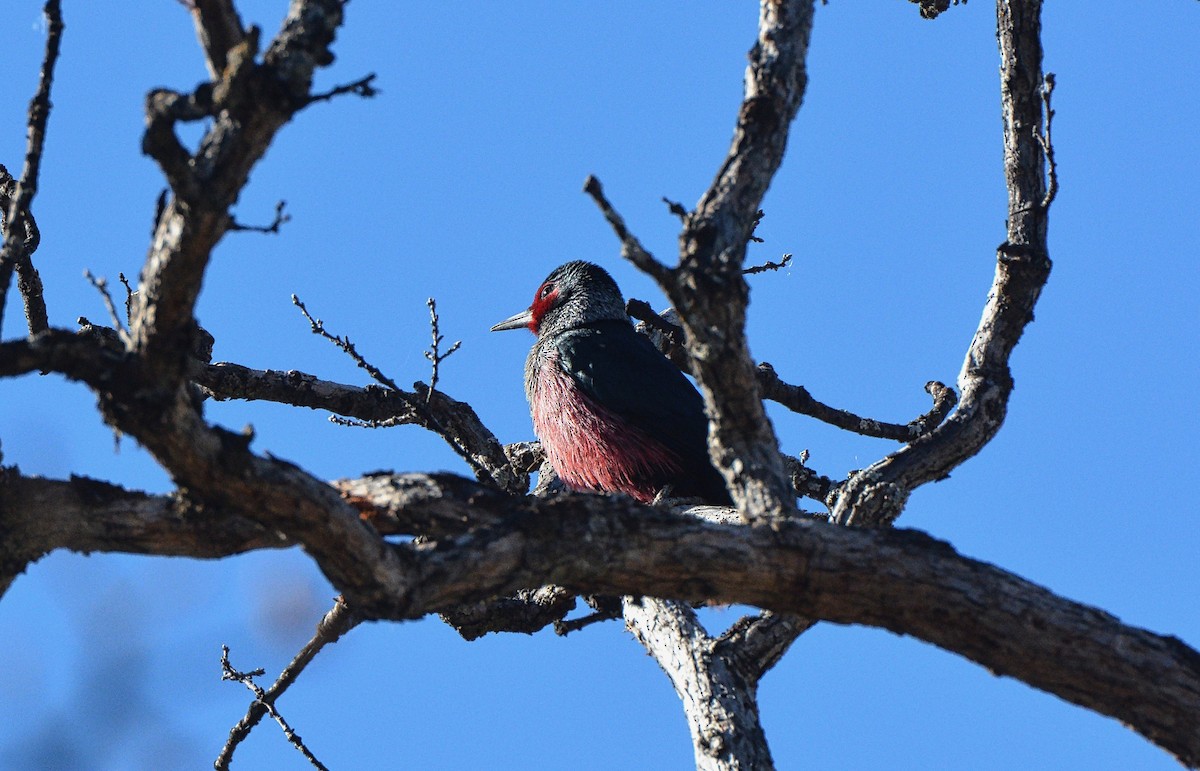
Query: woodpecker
[[612, 413]]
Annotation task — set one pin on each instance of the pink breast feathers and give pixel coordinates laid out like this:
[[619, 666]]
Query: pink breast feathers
[[589, 447]]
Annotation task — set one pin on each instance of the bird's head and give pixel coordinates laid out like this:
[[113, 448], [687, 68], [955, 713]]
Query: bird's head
[[573, 295]]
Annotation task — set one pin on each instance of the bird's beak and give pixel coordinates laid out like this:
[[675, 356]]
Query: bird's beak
[[521, 320]]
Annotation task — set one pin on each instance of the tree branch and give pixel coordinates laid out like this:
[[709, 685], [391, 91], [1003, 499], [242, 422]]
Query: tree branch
[[268, 705], [453, 420], [337, 622], [797, 399], [20, 230], [708, 288], [756, 643], [85, 515], [877, 494], [668, 338], [614, 546], [219, 30], [721, 707], [249, 103]]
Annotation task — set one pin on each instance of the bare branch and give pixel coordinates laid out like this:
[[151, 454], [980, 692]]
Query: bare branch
[[807, 482], [878, 493], [797, 399], [667, 337], [281, 218], [20, 231], [347, 347], [756, 643], [337, 622], [676, 208], [260, 696], [454, 421], [721, 707], [87, 515], [708, 288], [564, 628], [249, 103], [101, 286], [631, 248], [1046, 143], [361, 87], [768, 265], [432, 354], [129, 293]]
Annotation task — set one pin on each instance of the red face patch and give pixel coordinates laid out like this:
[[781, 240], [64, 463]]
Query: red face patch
[[545, 299]]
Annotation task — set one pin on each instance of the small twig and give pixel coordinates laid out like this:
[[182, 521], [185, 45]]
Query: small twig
[[452, 420], [676, 208], [280, 219], [129, 293], [101, 286], [783, 263], [260, 697], [754, 226], [1046, 143], [338, 420], [606, 607], [318, 328], [337, 622], [361, 87], [432, 354], [631, 248], [564, 628]]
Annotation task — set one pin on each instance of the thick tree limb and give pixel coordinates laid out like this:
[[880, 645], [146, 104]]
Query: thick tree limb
[[721, 707], [614, 546], [883, 578], [716, 679], [219, 30], [708, 288], [85, 515], [249, 103]]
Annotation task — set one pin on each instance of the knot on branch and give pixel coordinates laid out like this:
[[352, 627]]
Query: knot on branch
[[866, 500]]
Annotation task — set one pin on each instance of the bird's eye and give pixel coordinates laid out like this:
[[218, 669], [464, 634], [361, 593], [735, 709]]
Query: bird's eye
[[545, 291]]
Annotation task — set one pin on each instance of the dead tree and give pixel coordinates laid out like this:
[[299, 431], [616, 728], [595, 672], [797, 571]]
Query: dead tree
[[483, 554]]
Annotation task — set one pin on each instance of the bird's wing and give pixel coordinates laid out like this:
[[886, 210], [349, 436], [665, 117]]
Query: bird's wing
[[625, 373]]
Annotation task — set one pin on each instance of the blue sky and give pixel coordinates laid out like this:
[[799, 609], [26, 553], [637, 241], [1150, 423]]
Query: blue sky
[[462, 181]]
